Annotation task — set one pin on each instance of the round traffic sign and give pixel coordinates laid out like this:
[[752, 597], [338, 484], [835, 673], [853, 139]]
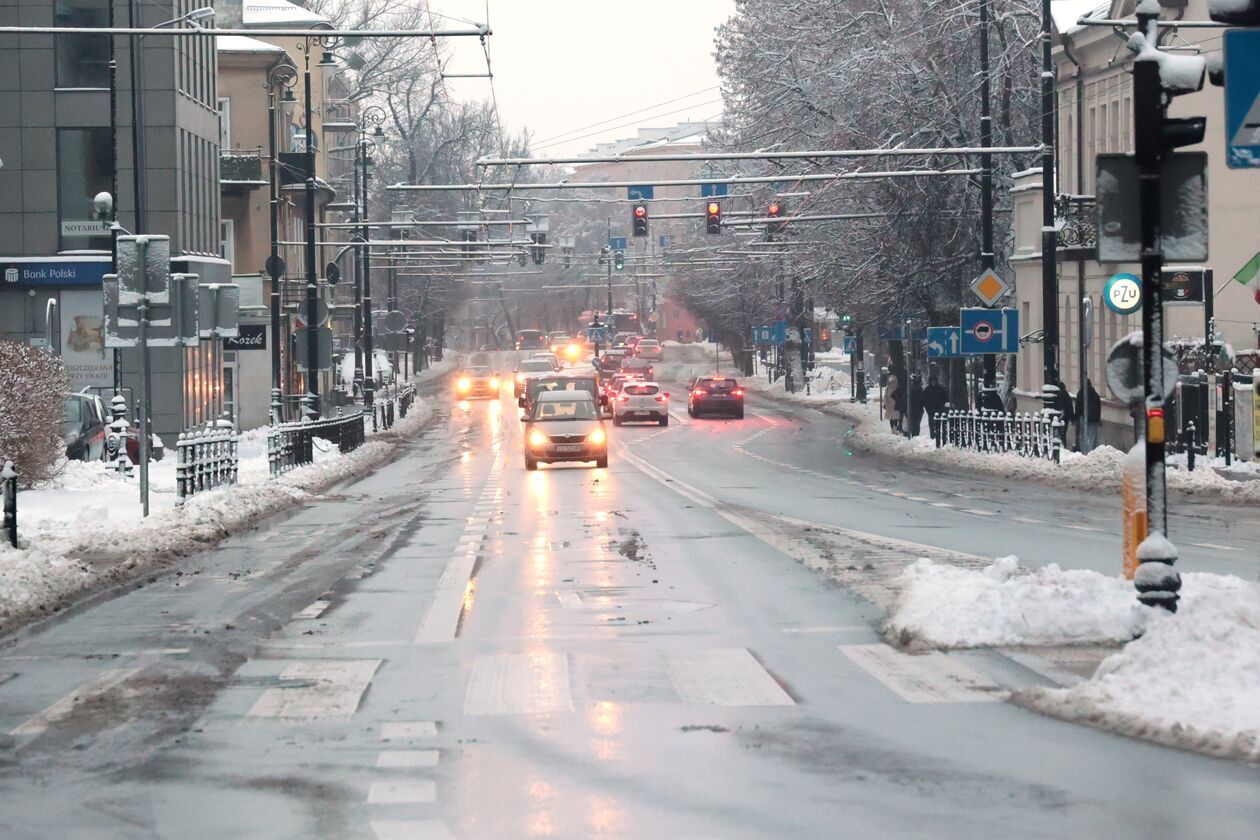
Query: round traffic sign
[[274, 266], [983, 331], [395, 321], [333, 272], [1123, 294]]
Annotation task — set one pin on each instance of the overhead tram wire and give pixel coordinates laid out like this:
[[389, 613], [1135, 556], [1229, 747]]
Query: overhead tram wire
[[564, 136]]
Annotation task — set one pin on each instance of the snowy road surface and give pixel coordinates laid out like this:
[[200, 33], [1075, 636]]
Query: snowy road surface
[[454, 647]]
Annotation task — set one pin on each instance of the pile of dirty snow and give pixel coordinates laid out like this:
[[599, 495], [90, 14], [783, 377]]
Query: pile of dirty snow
[[1191, 681], [945, 606]]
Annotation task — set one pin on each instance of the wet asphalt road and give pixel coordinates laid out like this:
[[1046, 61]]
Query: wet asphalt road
[[454, 647]]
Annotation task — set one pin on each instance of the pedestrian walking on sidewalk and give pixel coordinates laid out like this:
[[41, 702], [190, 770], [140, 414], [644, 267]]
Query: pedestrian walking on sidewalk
[[892, 404], [934, 398], [1088, 408], [1063, 404]]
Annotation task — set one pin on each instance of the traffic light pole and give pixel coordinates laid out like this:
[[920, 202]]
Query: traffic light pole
[[988, 394], [1049, 236], [1157, 581]]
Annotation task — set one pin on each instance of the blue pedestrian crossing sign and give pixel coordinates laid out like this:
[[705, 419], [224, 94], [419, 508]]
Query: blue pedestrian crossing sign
[[597, 335], [944, 343], [850, 344], [1242, 98], [989, 331]]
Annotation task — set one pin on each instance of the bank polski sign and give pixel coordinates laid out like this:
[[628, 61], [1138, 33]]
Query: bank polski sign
[[1123, 294]]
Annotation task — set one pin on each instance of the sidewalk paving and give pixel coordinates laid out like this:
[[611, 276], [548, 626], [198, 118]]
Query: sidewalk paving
[[83, 530]]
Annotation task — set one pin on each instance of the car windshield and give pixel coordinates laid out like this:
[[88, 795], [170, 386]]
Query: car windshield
[[717, 384], [649, 343], [535, 365], [635, 364], [637, 390], [575, 409], [479, 371], [566, 384]]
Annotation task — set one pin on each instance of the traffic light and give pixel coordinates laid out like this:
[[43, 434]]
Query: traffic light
[[1234, 13], [536, 250], [604, 253], [640, 219], [619, 260], [713, 217], [776, 211], [468, 236]]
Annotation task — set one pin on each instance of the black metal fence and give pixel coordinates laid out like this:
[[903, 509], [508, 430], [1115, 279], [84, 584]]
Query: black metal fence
[[1027, 435], [206, 458], [291, 445], [9, 477]]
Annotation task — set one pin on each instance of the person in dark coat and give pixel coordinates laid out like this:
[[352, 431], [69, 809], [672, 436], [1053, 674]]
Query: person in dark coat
[[1089, 408], [1063, 404], [915, 408], [935, 398]]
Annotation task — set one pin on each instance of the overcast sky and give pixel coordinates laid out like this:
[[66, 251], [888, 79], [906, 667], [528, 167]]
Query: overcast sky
[[563, 65]]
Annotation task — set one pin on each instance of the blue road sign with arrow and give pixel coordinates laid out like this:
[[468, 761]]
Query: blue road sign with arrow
[[713, 190], [944, 343], [989, 331], [640, 193], [1242, 98], [617, 243]]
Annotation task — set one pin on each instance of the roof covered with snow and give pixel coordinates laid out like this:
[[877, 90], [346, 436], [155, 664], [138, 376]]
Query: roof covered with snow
[[243, 44], [277, 13], [1067, 12]]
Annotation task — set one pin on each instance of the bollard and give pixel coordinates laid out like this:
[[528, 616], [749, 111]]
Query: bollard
[[1188, 444], [8, 476], [1133, 506]]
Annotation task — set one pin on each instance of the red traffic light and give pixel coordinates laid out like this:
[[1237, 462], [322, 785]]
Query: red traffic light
[[639, 218], [774, 209], [640, 211]]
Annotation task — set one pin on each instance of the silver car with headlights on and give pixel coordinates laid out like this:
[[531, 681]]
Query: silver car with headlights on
[[564, 426]]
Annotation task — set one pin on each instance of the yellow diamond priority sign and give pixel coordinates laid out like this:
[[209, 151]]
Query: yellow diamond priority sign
[[990, 287]]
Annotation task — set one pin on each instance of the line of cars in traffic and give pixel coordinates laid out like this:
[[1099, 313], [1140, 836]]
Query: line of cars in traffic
[[619, 384]]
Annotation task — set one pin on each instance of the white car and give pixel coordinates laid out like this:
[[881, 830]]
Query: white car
[[650, 349], [640, 401]]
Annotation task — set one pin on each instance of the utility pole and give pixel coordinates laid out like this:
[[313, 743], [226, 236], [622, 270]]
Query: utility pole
[[311, 398], [609, 319], [988, 393], [1049, 236]]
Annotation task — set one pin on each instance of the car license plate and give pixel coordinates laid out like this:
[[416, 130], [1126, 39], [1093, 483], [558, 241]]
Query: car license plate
[[568, 447]]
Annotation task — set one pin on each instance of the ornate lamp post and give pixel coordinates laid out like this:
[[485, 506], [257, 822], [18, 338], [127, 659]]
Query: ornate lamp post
[[280, 80]]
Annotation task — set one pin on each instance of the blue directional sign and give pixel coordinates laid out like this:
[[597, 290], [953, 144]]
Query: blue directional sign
[[850, 344], [989, 331], [617, 243], [1242, 98], [713, 190], [640, 193], [944, 343]]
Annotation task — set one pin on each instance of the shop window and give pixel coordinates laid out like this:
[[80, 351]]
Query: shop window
[[82, 58], [84, 168]]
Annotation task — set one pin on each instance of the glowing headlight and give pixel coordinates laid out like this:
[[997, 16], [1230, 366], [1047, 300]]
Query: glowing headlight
[[571, 351], [464, 384], [494, 383], [596, 437], [537, 439], [520, 377]]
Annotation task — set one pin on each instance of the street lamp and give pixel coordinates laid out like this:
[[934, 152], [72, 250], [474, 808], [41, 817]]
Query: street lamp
[[371, 117], [281, 77]]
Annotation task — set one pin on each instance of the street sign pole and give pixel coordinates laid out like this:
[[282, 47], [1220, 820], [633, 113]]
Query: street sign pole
[[144, 411]]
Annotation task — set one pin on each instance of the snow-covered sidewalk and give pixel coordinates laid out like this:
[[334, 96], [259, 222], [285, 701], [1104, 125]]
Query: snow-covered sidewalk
[[84, 530], [1191, 680], [1099, 470]]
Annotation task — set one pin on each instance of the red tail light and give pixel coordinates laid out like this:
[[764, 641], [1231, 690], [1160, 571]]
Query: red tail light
[[739, 392], [623, 398], [660, 398], [699, 392]]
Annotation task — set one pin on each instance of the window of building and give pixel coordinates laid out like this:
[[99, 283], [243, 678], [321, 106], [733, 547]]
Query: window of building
[[85, 167], [225, 122], [82, 59]]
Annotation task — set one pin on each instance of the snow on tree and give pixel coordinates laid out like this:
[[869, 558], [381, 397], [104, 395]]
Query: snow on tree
[[33, 386]]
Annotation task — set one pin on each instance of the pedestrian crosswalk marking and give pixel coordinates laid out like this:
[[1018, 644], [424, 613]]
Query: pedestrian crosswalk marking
[[924, 678], [723, 677], [402, 730], [399, 759], [402, 791], [411, 830], [1216, 546], [60, 710], [322, 688], [519, 684]]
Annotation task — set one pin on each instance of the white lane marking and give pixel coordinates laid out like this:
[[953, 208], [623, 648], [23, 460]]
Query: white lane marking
[[407, 759], [401, 730], [326, 688], [1027, 520], [442, 619], [314, 610], [571, 600], [1042, 668], [925, 678], [519, 684], [1080, 527], [679, 416], [978, 512], [61, 709], [402, 791], [941, 504], [723, 677], [411, 830], [1217, 546], [916, 498], [835, 628]]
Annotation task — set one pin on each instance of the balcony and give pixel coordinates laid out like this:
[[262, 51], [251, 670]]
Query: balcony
[[339, 116], [241, 169], [1076, 218]]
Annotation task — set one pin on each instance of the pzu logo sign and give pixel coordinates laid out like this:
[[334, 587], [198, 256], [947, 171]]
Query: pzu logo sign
[[1123, 294]]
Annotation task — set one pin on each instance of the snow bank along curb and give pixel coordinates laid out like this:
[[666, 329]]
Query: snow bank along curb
[[947, 607], [1100, 470], [57, 564], [1191, 680]]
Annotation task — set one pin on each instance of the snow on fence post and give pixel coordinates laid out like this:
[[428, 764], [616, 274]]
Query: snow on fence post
[[206, 459], [8, 476]]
